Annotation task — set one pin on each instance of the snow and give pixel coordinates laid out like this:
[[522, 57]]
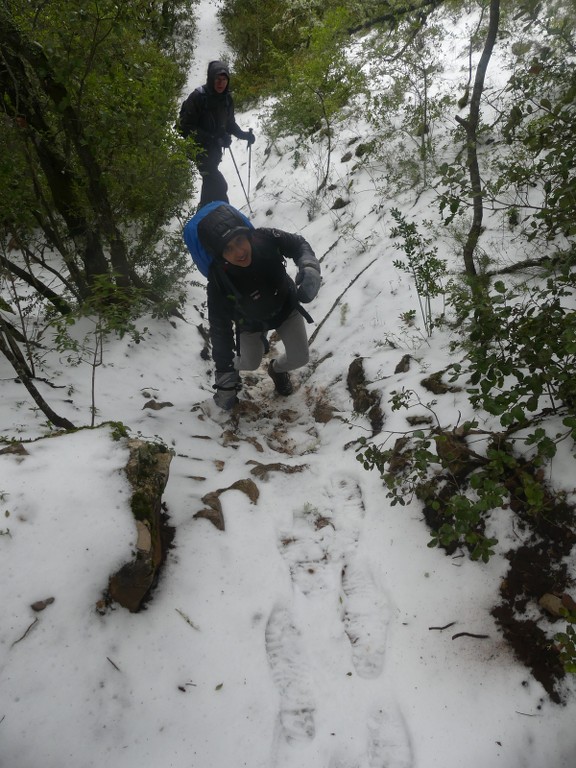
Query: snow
[[309, 631]]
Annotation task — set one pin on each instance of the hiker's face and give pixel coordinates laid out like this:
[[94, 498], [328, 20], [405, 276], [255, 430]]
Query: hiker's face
[[220, 83], [238, 251]]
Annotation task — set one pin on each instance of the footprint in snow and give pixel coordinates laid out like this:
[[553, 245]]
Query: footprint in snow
[[366, 618], [388, 740], [322, 536], [290, 674], [387, 744]]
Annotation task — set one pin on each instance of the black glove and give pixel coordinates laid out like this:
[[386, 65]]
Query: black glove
[[308, 282], [226, 385], [225, 140], [249, 137]]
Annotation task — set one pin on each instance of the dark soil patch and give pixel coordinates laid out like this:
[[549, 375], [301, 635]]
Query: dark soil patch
[[365, 401], [536, 568], [534, 571]]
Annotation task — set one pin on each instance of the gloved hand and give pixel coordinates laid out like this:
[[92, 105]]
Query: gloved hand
[[308, 282], [226, 385], [225, 140], [249, 137]]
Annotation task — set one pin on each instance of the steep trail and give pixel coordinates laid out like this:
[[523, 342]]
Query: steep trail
[[325, 633]]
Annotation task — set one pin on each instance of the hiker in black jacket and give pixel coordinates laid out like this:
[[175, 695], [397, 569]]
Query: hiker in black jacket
[[208, 116], [249, 294]]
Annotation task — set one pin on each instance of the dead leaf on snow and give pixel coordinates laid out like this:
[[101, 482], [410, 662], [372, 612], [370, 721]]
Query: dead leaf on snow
[[156, 406], [263, 470]]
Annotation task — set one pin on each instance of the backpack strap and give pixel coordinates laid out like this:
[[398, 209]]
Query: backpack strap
[[305, 315]]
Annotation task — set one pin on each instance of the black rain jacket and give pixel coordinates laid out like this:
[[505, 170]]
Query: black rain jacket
[[207, 115], [259, 297]]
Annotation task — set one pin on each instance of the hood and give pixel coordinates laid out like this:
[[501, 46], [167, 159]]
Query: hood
[[220, 226], [217, 68]]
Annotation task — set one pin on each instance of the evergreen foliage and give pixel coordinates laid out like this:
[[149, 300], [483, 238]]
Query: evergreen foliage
[[92, 169], [320, 82]]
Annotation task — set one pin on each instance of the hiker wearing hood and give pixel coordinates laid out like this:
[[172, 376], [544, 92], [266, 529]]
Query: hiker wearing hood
[[207, 116], [249, 294]]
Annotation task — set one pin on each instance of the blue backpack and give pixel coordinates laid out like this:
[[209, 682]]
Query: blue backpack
[[200, 256]]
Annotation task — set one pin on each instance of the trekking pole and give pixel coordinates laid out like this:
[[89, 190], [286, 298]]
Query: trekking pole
[[249, 160], [240, 180]]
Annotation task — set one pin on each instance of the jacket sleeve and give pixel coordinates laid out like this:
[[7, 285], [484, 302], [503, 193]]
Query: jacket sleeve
[[231, 124], [295, 247], [221, 325]]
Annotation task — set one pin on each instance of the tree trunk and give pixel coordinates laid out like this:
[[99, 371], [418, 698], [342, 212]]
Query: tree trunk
[[21, 370], [22, 51], [471, 125], [62, 181], [28, 277]]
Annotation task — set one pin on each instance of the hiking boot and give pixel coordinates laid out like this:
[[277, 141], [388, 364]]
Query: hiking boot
[[282, 383]]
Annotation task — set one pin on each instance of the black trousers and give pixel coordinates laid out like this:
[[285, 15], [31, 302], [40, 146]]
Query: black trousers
[[214, 185]]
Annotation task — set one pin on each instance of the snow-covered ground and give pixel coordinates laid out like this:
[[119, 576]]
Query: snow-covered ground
[[307, 634]]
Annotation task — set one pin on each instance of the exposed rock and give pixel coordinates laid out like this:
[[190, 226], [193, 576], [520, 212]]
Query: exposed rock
[[232, 438], [263, 470], [213, 510], [14, 449], [552, 604], [213, 514], [416, 421], [404, 364], [147, 470], [364, 401], [453, 452], [40, 605], [435, 384], [156, 406], [323, 412]]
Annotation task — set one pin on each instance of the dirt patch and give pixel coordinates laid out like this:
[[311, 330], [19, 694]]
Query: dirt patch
[[537, 568], [365, 401]]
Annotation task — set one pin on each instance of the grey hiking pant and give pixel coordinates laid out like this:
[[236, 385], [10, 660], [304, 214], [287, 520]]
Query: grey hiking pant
[[292, 332]]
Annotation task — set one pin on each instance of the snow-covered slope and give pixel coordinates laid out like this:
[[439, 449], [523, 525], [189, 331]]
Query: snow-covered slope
[[309, 632]]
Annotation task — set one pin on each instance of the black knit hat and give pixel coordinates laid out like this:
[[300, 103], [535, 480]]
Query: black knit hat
[[219, 227]]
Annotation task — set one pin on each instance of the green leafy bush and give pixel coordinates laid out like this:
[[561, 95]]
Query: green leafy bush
[[521, 352], [422, 262]]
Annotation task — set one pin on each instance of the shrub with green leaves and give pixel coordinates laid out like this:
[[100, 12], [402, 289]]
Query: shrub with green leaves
[[92, 168], [321, 81], [539, 124], [422, 262], [460, 495], [521, 352]]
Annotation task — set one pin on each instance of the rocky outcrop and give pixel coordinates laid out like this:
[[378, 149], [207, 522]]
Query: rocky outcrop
[[365, 400], [147, 471]]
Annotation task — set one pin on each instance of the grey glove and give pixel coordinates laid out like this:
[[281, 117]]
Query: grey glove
[[227, 385], [308, 282]]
